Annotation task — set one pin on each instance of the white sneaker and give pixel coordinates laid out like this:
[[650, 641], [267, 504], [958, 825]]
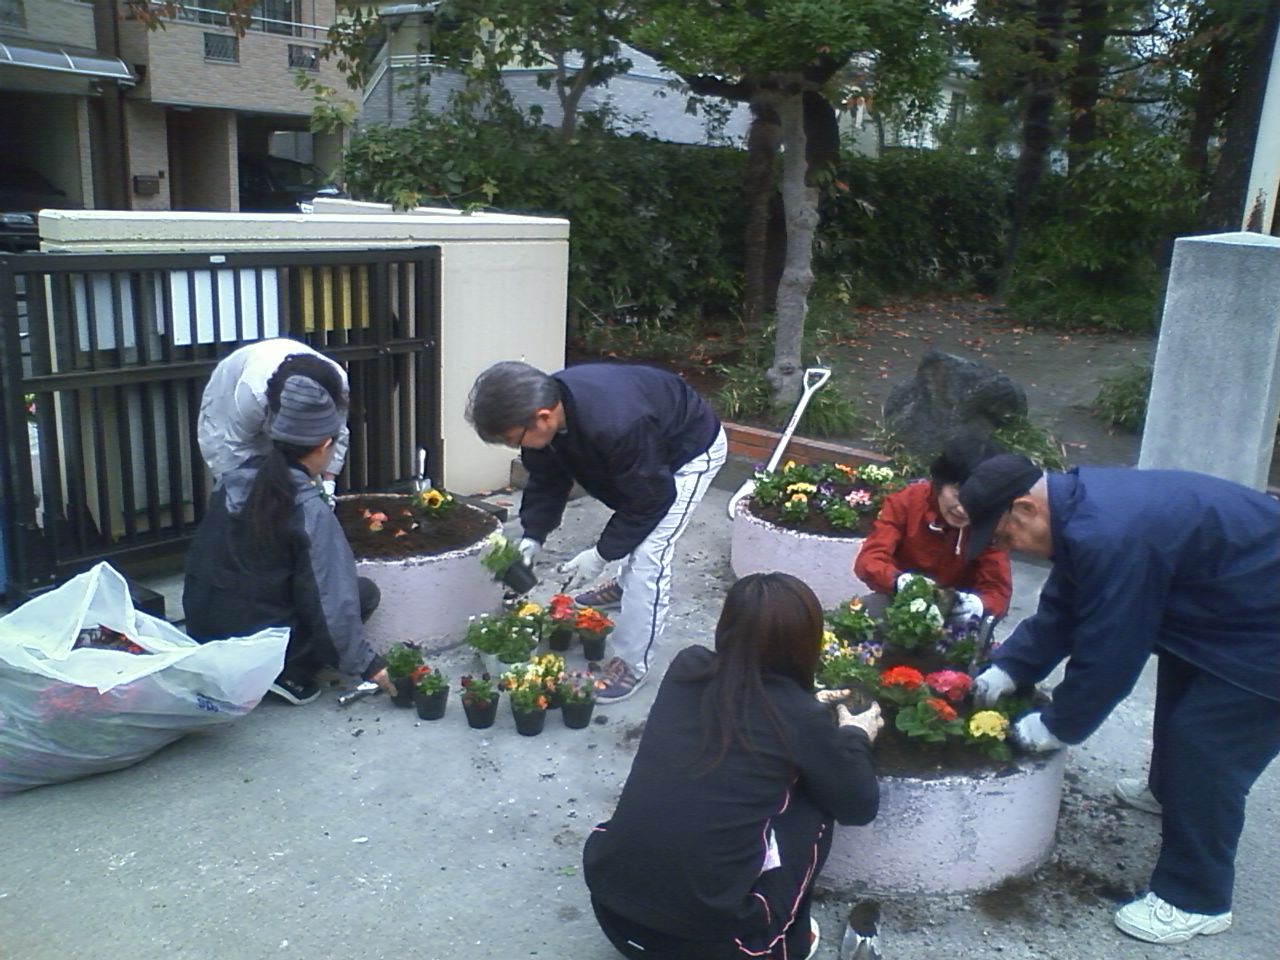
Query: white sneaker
[[815, 938], [1158, 921], [1138, 795]]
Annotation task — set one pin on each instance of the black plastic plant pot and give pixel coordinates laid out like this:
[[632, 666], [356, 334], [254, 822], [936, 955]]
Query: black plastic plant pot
[[480, 716], [577, 715], [593, 645], [405, 689], [431, 706], [561, 638], [529, 723], [520, 577]]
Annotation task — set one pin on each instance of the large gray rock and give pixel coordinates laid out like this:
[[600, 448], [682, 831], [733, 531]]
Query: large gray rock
[[950, 395]]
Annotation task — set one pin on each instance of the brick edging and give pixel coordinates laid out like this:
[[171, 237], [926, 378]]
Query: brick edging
[[757, 445]]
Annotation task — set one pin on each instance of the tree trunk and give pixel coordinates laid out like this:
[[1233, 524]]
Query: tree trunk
[[1086, 79], [1226, 207], [762, 148], [1037, 128], [570, 93], [800, 203]]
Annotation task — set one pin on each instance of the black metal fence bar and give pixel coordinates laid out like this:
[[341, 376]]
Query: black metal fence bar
[[113, 351]]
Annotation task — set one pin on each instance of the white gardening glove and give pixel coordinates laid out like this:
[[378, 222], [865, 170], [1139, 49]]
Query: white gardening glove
[[905, 578], [968, 606], [1032, 735], [529, 548], [990, 685], [330, 488], [869, 721], [583, 569]]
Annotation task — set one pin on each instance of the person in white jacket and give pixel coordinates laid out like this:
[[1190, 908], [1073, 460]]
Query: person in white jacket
[[232, 426]]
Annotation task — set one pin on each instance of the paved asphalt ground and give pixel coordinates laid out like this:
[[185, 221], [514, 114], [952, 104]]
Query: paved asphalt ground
[[326, 834]]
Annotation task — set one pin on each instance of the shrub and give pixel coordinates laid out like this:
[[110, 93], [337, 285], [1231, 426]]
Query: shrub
[[1122, 398]]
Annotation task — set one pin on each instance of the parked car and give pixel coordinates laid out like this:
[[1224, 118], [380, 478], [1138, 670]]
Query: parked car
[[278, 185], [23, 193]]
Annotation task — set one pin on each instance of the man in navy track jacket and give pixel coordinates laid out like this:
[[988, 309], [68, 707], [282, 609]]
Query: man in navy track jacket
[[1182, 565], [639, 440]]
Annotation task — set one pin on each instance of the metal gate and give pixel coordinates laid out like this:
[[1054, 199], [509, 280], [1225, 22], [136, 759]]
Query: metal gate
[[106, 357]]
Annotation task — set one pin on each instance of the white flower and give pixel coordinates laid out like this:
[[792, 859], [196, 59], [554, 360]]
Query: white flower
[[934, 616], [918, 605]]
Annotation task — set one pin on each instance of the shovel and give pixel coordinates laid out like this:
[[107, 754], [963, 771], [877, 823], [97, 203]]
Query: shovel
[[814, 377]]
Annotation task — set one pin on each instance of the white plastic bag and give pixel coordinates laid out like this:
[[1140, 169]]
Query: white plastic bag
[[68, 712]]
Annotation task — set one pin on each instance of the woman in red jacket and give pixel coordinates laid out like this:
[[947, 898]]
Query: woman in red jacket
[[921, 530]]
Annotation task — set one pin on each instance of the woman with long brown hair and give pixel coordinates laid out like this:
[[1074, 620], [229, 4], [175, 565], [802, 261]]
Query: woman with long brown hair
[[727, 815]]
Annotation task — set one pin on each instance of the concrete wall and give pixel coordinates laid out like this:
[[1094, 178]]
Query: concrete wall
[[262, 81], [57, 21], [504, 285]]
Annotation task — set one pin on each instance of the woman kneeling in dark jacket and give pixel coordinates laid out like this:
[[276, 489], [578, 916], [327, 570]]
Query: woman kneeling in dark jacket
[[727, 815]]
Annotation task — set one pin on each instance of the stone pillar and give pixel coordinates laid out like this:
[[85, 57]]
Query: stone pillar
[[1215, 392]]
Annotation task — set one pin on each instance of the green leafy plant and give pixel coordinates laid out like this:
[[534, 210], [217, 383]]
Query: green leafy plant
[[913, 620], [433, 502], [525, 687], [931, 719], [477, 691], [499, 555], [402, 659], [429, 681], [846, 497], [1122, 398], [509, 637], [1020, 435], [851, 623], [577, 687]]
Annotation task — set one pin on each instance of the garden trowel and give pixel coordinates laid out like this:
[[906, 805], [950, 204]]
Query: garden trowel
[[423, 482], [360, 691], [862, 933], [814, 377]]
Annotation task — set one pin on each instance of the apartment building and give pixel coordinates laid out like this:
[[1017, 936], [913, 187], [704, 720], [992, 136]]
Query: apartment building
[[120, 115]]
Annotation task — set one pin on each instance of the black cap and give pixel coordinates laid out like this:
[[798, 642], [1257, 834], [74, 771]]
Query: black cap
[[990, 489]]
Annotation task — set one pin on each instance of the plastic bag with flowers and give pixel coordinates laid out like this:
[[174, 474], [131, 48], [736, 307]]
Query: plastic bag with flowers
[[89, 684]]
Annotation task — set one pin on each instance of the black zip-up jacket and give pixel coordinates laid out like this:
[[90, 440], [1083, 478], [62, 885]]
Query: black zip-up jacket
[[686, 852], [233, 589], [628, 429]]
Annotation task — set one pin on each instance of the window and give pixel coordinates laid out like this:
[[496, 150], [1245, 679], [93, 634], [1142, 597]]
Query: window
[[955, 111], [222, 48], [12, 14], [276, 16], [303, 58]]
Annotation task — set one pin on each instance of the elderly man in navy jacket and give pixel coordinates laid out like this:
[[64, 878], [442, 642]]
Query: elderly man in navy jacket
[[639, 440], [1179, 564]]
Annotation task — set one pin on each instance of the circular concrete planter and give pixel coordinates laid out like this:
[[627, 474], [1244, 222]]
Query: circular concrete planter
[[957, 834], [429, 599], [824, 563]]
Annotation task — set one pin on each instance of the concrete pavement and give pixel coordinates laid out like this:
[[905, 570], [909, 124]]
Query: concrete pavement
[[322, 833]]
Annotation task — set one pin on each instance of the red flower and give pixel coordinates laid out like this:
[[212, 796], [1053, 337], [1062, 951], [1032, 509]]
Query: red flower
[[419, 672], [952, 684], [560, 607], [941, 708], [908, 677], [592, 620]]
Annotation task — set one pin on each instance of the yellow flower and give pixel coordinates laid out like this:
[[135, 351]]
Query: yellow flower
[[801, 488], [988, 723], [788, 465], [855, 605], [432, 498], [528, 610]]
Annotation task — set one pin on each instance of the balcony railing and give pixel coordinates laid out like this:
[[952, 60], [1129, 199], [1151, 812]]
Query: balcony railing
[[212, 16]]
